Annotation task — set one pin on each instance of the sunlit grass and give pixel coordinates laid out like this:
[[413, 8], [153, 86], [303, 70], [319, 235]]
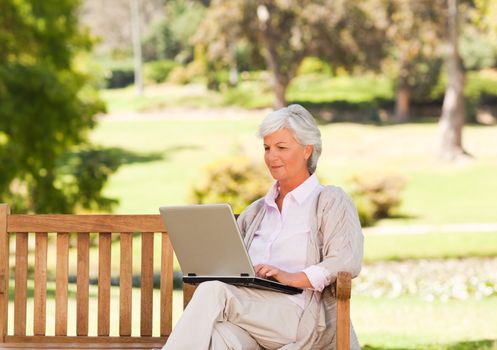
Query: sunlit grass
[[436, 192], [410, 323], [250, 93], [430, 245]]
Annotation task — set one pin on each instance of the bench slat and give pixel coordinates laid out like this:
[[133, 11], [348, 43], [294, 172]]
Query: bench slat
[[166, 287], [85, 223], [104, 251], [61, 274], [126, 284], [21, 278], [82, 284], [147, 280], [86, 342], [4, 269], [40, 289]]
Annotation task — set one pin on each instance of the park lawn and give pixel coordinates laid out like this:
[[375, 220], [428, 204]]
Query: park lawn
[[411, 323], [401, 323], [436, 245], [252, 93], [159, 96], [178, 151]]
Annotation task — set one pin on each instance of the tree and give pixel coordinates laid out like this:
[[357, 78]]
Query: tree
[[110, 21], [169, 37], [452, 120], [414, 33], [47, 106], [340, 32]]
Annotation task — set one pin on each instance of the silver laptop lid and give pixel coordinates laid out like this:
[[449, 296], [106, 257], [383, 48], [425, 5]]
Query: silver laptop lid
[[206, 240]]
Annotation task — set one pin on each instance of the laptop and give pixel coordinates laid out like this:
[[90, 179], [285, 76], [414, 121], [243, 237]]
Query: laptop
[[209, 246]]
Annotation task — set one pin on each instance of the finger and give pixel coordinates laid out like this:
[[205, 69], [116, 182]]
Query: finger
[[272, 272]]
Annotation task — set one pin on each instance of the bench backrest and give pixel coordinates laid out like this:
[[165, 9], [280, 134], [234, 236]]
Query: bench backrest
[[121, 227]]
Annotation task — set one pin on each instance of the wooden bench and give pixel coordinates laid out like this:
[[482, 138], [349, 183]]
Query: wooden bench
[[121, 227]]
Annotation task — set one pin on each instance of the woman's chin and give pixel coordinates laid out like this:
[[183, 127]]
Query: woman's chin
[[278, 176]]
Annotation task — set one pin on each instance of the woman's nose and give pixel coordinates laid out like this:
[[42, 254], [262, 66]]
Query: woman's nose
[[271, 154]]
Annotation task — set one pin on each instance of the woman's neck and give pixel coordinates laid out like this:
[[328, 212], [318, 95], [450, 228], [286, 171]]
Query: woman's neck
[[288, 186]]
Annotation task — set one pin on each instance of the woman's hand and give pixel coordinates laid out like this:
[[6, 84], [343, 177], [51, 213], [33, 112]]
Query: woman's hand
[[295, 279]]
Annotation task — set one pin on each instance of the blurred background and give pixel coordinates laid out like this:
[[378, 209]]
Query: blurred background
[[125, 105]]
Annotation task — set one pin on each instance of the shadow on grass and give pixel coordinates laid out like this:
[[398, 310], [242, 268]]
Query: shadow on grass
[[123, 156], [486, 344]]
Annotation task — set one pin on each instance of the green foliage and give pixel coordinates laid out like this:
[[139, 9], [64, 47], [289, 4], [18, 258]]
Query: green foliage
[[342, 33], [170, 38], [376, 196], [237, 181], [158, 71], [478, 50], [313, 65], [186, 74], [46, 107]]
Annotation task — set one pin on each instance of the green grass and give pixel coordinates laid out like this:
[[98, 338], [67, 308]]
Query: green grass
[[160, 96], [317, 88], [427, 246], [409, 323], [436, 192], [252, 93]]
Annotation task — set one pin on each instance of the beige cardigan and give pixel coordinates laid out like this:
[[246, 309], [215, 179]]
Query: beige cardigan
[[336, 243]]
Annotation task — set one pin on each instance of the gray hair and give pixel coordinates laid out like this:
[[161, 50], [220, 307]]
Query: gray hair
[[301, 124]]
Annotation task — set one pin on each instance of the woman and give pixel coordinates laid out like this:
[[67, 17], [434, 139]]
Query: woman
[[300, 234]]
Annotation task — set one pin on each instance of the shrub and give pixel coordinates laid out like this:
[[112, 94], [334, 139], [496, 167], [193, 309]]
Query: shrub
[[118, 73], [375, 196], [186, 74], [236, 180], [312, 65], [158, 71]]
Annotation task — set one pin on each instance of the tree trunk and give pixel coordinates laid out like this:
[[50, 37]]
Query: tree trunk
[[452, 119], [137, 50], [279, 100], [403, 102], [280, 80]]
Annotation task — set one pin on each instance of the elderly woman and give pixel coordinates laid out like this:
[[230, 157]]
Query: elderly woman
[[300, 234]]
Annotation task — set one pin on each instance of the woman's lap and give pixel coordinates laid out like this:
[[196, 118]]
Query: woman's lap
[[270, 318]]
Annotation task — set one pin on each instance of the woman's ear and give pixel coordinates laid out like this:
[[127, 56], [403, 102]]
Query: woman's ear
[[308, 151]]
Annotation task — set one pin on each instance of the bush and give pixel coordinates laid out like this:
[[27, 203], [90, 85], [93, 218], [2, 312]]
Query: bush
[[119, 78], [186, 74], [235, 180], [312, 65], [375, 196], [158, 71]]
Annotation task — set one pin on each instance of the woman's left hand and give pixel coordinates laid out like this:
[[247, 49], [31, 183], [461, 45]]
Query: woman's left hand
[[297, 279]]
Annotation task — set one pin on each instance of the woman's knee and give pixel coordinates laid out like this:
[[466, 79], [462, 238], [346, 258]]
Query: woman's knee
[[210, 288]]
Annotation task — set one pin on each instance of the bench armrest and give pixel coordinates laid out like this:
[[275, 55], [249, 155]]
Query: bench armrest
[[343, 292]]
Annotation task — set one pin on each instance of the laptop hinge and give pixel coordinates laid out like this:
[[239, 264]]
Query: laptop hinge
[[192, 275], [244, 275]]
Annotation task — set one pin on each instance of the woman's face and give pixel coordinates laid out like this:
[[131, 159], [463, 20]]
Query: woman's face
[[285, 158]]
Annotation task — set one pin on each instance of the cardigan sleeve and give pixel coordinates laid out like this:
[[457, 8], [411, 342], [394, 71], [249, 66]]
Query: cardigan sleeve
[[343, 241]]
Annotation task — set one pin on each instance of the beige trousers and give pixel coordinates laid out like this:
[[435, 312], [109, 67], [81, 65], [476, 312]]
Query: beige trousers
[[222, 316]]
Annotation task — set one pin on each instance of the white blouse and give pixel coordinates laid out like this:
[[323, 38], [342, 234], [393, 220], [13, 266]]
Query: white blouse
[[282, 238]]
